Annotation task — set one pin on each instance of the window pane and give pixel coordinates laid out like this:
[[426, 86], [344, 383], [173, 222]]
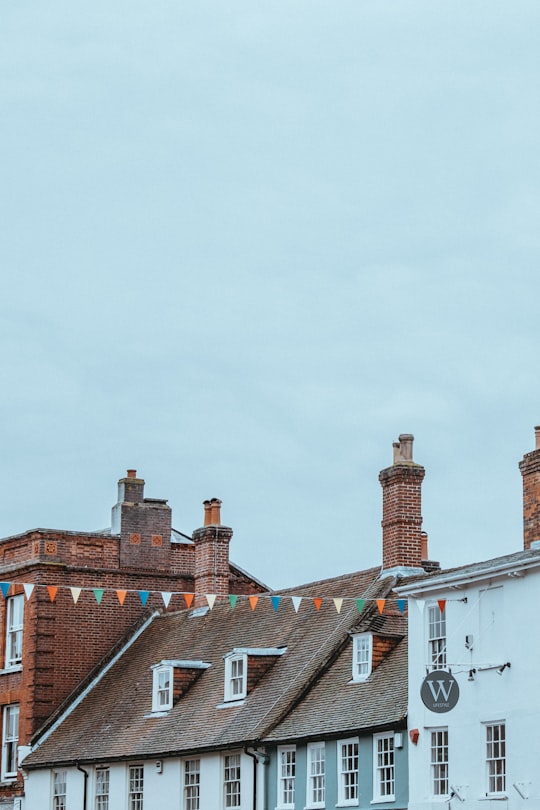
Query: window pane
[[232, 780], [192, 781], [439, 762], [437, 637], [287, 771], [496, 757], [136, 785], [349, 770]]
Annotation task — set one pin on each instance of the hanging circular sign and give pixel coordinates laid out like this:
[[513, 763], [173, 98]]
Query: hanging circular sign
[[439, 691]]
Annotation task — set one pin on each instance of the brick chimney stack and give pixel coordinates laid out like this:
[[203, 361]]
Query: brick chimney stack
[[144, 526], [212, 553], [530, 470], [404, 543]]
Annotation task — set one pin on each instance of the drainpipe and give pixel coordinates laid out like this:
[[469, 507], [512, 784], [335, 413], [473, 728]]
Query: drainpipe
[[256, 757], [85, 784]]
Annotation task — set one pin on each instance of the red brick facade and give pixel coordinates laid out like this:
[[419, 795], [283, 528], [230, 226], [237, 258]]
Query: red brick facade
[[64, 640]]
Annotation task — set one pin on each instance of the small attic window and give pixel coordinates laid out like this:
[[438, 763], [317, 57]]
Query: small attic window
[[171, 679], [244, 666], [362, 656], [162, 688], [235, 677]]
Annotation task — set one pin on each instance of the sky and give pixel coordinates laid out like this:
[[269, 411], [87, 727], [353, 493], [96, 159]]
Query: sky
[[245, 245]]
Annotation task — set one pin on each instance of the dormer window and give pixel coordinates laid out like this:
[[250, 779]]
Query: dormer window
[[235, 677], [171, 679], [162, 692], [244, 667], [362, 656]]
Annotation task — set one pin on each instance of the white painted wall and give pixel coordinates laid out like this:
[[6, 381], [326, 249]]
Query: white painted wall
[[501, 614], [162, 791]]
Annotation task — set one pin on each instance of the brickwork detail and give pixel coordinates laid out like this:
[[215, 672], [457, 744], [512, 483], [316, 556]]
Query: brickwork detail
[[402, 515], [135, 539], [530, 471], [157, 540], [51, 547]]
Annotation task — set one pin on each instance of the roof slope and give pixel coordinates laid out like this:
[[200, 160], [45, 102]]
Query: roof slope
[[114, 722]]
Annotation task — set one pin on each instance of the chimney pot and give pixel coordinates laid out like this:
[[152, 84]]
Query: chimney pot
[[215, 511], [406, 446], [207, 513], [132, 473], [537, 436]]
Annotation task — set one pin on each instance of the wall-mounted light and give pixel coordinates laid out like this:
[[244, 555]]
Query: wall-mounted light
[[500, 670], [472, 673]]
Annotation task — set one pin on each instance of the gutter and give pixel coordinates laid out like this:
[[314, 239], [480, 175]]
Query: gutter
[[85, 794], [461, 577], [257, 756]]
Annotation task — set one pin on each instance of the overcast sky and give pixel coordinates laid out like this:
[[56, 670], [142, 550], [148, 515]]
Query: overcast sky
[[244, 245]]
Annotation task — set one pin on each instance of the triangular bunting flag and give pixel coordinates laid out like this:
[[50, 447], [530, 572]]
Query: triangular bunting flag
[[188, 598], [211, 599], [338, 602], [5, 586], [275, 601], [98, 593], [401, 605], [317, 601], [296, 602], [253, 601], [53, 590], [442, 604], [233, 599], [360, 604], [75, 593], [166, 596], [143, 596], [380, 604], [28, 589], [420, 603], [121, 596]]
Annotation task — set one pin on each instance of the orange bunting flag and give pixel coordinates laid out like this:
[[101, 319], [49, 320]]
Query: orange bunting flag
[[53, 590], [317, 601], [121, 596], [338, 602], [189, 597], [253, 601], [380, 604], [442, 604]]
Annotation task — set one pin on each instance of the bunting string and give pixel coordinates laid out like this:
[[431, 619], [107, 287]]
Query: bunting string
[[384, 606]]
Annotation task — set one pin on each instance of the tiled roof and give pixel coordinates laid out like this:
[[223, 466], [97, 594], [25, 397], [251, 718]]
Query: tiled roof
[[113, 722]]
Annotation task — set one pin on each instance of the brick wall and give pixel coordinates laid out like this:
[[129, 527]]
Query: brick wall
[[530, 471]]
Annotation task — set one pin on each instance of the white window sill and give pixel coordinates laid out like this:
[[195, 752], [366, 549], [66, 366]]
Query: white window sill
[[8, 670], [349, 803], [383, 799], [160, 713], [230, 704], [494, 797]]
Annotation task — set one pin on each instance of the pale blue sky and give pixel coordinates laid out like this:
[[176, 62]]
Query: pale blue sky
[[244, 245]]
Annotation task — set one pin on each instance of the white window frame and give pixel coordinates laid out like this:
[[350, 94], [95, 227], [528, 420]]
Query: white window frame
[[362, 656], [102, 788], [191, 769], [59, 790], [232, 780], [436, 632], [316, 775], [384, 767], [496, 762], [236, 665], [438, 763], [14, 630], [135, 787], [286, 776], [10, 740], [162, 688], [348, 772]]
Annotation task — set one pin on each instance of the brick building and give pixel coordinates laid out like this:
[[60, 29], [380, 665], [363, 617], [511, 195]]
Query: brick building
[[70, 597]]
